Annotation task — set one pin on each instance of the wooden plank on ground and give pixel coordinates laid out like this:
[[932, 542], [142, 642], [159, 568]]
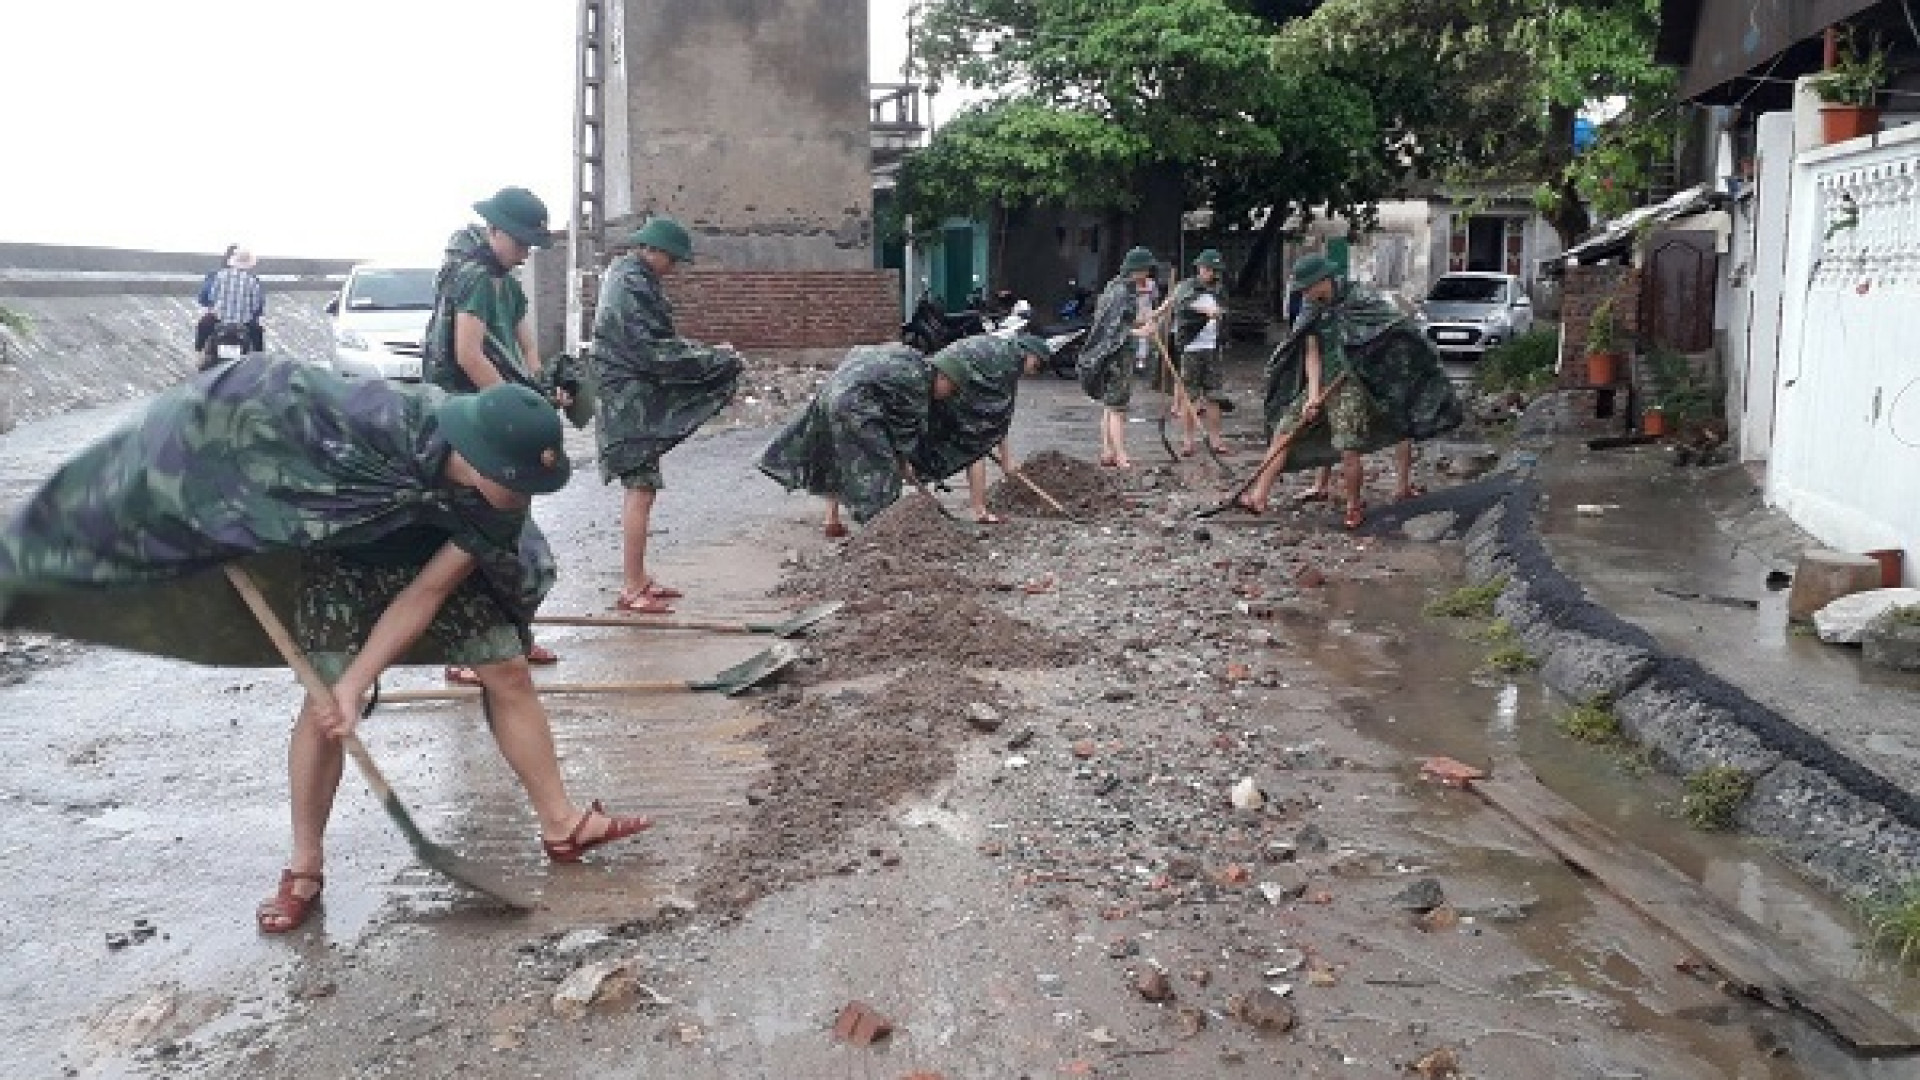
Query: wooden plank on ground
[[1741, 950]]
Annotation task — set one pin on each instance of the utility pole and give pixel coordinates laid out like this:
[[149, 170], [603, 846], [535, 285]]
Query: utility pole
[[587, 248]]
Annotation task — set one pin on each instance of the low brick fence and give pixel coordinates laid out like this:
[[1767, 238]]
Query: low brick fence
[[787, 309]]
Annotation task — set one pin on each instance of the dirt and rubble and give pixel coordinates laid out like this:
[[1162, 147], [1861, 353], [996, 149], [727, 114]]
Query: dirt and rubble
[[1096, 798]]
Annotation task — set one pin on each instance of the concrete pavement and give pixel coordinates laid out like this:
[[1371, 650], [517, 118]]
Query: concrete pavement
[[1595, 545]]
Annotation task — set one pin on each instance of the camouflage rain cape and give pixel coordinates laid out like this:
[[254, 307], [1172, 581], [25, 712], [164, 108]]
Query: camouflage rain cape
[[467, 263], [1104, 353], [848, 443], [655, 389], [1396, 387], [261, 460], [967, 426]]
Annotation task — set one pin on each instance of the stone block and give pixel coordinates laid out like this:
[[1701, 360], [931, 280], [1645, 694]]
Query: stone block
[[1582, 667], [1891, 641], [1844, 622], [1824, 576], [1686, 734]]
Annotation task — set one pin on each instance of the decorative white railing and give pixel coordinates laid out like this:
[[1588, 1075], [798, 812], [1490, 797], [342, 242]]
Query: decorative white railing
[[1868, 203]]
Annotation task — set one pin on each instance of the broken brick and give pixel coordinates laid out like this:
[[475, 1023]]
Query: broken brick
[[1450, 772], [860, 1025]]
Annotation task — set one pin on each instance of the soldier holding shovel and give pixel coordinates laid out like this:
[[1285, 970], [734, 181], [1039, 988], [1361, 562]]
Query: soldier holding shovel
[[391, 521]]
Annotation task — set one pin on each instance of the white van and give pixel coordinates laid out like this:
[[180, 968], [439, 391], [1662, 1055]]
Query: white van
[[380, 320]]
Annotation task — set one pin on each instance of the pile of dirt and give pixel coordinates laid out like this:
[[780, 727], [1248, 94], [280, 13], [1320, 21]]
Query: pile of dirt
[[836, 762], [951, 628], [909, 549], [1080, 486]]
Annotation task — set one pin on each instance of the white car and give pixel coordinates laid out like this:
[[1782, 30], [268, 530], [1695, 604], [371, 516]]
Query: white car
[[380, 320], [1466, 314]]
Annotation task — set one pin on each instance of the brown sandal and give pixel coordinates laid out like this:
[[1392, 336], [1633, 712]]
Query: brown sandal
[[575, 846], [286, 910]]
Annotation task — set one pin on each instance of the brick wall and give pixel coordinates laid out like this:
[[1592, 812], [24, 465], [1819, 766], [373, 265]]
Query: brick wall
[[787, 309], [1582, 291]]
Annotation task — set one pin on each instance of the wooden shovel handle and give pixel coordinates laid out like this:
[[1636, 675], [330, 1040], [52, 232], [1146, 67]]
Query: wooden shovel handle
[[645, 622], [1000, 460], [464, 693], [309, 676]]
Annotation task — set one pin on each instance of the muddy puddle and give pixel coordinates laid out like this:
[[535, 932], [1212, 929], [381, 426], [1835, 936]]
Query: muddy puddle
[[1408, 692]]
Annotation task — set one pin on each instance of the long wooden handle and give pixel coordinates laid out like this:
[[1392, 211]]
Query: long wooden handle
[[463, 693], [310, 679], [1001, 460], [646, 622], [1181, 401]]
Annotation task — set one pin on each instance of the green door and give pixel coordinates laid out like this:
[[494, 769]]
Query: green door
[[956, 261]]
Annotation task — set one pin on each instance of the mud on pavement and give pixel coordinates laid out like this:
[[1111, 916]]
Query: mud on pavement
[[1066, 800]]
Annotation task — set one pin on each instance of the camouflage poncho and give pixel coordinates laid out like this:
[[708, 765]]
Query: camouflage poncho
[[1103, 359], [1396, 389], [654, 389], [468, 264], [966, 427], [871, 413], [258, 460]]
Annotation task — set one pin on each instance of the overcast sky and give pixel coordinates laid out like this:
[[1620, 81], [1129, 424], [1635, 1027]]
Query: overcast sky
[[353, 128]]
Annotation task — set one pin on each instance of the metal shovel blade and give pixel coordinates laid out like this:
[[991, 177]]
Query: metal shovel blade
[[755, 669], [800, 623]]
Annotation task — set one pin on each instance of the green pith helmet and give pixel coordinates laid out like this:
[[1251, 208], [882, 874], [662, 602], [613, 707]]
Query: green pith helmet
[[958, 371], [1313, 269], [1033, 345], [1210, 258], [510, 435], [519, 213], [666, 235], [1137, 259]]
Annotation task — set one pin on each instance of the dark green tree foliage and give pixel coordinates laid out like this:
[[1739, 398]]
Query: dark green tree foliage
[[1100, 89]]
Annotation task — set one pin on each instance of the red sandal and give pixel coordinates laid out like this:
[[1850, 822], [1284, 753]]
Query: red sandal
[[1356, 516], [286, 910], [574, 846]]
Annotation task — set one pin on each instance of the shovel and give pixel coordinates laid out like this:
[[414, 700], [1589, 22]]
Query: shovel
[[791, 628], [1187, 409], [746, 674], [1272, 455], [445, 860], [1000, 459]]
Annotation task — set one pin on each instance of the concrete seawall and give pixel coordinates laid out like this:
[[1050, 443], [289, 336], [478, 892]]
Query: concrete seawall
[[107, 324]]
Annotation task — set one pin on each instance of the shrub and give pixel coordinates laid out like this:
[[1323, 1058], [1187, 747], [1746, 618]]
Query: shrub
[[1714, 795], [1468, 601], [1593, 722], [1893, 921], [1523, 365]]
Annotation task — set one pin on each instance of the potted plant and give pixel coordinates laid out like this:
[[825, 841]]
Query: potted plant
[[1603, 345], [1851, 89], [1653, 420]]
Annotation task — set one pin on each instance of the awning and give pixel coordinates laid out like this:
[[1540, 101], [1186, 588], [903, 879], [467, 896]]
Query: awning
[[1616, 240], [1720, 41]]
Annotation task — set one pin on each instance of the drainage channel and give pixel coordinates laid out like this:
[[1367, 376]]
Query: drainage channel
[[1419, 689]]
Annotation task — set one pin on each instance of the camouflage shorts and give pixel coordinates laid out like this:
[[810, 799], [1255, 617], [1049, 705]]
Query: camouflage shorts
[[1200, 374], [340, 601], [1116, 384], [643, 477], [1354, 421]]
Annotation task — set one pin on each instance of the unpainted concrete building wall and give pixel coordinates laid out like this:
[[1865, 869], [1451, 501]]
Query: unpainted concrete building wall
[[748, 121]]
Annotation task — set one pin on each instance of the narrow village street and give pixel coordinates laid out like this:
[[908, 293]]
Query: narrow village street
[[1129, 796]]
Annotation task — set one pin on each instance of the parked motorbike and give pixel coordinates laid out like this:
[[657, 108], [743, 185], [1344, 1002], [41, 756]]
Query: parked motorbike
[[1068, 328], [229, 341], [931, 329]]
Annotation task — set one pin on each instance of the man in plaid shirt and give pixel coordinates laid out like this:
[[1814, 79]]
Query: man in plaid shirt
[[236, 296]]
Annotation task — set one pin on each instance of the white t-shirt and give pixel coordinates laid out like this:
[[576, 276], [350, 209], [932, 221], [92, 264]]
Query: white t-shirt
[[1209, 335]]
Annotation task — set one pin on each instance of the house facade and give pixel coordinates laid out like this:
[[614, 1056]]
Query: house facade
[[1821, 286]]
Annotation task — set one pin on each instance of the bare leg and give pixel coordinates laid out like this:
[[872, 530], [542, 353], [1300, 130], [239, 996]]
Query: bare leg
[[521, 730], [636, 516], [314, 763], [1210, 416], [1352, 473], [1403, 462], [1116, 421], [1261, 490], [834, 527], [977, 493]]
